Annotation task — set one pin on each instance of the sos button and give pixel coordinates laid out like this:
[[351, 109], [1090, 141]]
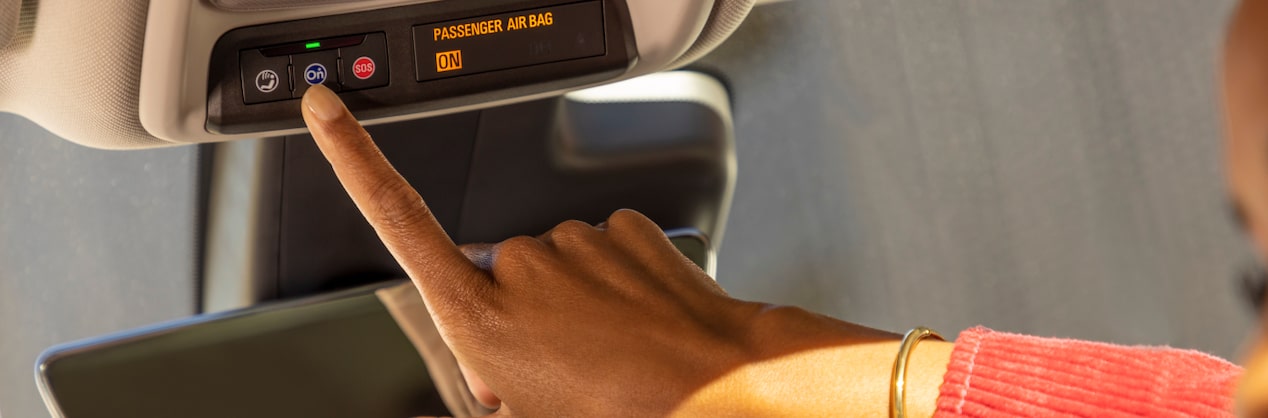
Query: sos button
[[365, 66]]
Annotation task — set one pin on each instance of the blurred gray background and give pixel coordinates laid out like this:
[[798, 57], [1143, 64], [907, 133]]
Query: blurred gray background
[[1046, 167]]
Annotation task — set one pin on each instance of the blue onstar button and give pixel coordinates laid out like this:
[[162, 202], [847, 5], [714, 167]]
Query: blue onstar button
[[315, 74]]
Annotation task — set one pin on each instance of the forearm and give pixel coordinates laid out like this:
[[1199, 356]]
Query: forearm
[[985, 373], [837, 369], [839, 381]]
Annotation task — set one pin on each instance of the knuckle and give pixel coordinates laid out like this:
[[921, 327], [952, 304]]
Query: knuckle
[[397, 206], [518, 247], [346, 126], [629, 218], [569, 230]]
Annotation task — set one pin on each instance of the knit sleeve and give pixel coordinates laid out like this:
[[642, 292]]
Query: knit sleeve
[[995, 374]]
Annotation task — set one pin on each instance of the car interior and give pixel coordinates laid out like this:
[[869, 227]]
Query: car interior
[[241, 281], [531, 112]]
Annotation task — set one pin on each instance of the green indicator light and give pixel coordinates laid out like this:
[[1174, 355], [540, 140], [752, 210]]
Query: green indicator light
[[312, 45]]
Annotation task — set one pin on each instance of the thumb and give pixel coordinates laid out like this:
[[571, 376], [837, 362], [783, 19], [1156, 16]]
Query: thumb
[[479, 390], [503, 412]]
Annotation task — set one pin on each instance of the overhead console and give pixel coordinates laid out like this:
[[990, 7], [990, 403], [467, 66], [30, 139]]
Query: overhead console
[[415, 59], [219, 70], [175, 72]]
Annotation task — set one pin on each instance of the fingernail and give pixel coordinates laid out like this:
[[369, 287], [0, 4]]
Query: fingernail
[[323, 103]]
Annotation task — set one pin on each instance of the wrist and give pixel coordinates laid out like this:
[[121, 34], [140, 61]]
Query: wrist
[[852, 380], [925, 371], [810, 365]]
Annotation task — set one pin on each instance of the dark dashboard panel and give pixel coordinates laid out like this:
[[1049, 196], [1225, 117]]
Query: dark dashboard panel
[[415, 58], [322, 241], [488, 176]]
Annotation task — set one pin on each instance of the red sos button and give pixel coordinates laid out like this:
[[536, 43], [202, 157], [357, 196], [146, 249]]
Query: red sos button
[[363, 68]]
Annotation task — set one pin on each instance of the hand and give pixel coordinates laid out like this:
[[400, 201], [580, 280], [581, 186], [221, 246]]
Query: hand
[[602, 321]]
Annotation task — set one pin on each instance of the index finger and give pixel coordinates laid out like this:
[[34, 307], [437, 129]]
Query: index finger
[[396, 211]]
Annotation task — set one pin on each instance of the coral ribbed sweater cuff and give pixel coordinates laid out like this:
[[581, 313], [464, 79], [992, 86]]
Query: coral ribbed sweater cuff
[[995, 374]]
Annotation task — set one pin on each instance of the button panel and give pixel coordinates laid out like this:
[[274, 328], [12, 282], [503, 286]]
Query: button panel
[[285, 72], [477, 53]]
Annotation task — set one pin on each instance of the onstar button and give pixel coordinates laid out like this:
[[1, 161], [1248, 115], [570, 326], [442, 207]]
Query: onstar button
[[363, 68], [315, 74], [315, 68]]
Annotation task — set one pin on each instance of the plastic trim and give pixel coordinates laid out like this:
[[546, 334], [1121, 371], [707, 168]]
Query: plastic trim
[[180, 36], [243, 203], [678, 86]]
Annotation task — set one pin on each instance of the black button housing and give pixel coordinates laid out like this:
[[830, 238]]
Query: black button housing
[[264, 79], [557, 45], [315, 68], [369, 57]]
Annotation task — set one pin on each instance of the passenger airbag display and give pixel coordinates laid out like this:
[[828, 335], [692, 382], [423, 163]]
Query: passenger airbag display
[[509, 40]]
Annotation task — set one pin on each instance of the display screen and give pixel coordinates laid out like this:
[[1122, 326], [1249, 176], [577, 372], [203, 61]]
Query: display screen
[[344, 357], [509, 40]]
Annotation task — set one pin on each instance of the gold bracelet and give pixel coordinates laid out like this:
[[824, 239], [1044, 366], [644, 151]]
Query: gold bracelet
[[898, 381]]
